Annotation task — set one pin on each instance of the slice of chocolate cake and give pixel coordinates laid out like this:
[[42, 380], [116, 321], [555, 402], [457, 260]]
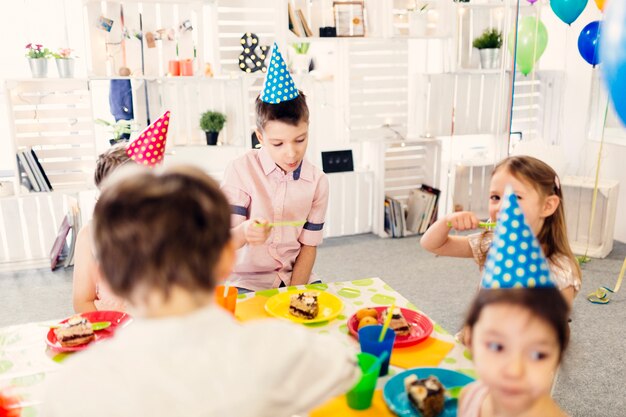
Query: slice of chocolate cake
[[425, 395], [398, 323], [304, 305], [76, 331]]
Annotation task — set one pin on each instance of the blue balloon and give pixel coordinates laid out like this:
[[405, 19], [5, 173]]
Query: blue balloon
[[568, 10], [613, 54], [588, 41]]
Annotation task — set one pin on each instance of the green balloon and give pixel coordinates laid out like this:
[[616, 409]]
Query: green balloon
[[532, 39]]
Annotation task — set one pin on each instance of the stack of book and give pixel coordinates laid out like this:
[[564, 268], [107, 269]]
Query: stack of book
[[64, 246], [31, 173], [414, 218]]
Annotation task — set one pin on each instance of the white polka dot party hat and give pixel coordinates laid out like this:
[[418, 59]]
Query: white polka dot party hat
[[278, 85], [515, 259], [148, 149]]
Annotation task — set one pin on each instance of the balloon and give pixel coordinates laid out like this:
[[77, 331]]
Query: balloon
[[588, 43], [599, 3], [568, 10], [532, 38], [613, 54]]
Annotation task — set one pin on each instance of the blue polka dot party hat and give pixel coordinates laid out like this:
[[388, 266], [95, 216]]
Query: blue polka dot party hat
[[278, 85], [515, 259]]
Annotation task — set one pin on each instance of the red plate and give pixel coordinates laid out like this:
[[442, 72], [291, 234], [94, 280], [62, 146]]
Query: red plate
[[421, 326], [117, 319]]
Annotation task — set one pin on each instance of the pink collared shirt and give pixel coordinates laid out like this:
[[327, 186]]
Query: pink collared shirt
[[256, 187]]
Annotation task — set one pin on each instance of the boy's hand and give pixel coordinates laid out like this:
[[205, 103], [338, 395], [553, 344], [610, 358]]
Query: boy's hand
[[257, 231], [463, 220]]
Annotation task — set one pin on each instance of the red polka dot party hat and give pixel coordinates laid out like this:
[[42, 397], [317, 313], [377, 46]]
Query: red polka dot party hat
[[148, 149]]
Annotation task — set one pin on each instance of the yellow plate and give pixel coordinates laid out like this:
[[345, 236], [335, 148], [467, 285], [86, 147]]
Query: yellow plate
[[330, 306]]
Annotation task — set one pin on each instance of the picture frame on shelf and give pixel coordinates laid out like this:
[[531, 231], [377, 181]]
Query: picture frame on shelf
[[349, 18]]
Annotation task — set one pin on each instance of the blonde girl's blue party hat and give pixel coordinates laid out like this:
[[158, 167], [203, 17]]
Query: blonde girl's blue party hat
[[278, 85], [515, 259]]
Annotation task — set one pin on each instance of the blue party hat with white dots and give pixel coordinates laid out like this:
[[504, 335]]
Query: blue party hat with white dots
[[278, 85], [515, 259]]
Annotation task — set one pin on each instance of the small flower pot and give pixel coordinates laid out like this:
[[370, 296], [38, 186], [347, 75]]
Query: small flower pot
[[211, 138], [38, 67], [489, 58], [65, 67]]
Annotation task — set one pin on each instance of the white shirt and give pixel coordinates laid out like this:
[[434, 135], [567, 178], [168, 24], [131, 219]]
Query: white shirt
[[203, 364]]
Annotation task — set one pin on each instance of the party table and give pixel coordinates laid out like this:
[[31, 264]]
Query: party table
[[25, 360]]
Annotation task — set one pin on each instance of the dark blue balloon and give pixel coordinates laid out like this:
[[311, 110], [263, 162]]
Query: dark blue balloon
[[613, 54], [588, 42]]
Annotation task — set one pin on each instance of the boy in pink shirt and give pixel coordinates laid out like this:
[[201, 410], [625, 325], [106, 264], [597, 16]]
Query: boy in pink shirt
[[276, 184]]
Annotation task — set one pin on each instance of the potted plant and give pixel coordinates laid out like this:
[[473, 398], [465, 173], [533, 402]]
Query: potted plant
[[488, 45], [212, 123], [65, 62], [301, 60], [37, 59], [120, 130]]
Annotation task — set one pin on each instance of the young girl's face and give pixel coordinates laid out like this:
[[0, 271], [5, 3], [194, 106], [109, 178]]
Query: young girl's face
[[516, 355], [530, 201]]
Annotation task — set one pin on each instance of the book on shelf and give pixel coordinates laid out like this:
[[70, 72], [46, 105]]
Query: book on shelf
[[422, 208], [395, 217], [64, 246], [29, 164], [46, 180], [59, 250], [23, 175], [431, 215], [305, 25], [293, 21], [29, 171]]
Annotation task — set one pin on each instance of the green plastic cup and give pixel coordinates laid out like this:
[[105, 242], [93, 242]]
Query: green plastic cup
[[360, 397]]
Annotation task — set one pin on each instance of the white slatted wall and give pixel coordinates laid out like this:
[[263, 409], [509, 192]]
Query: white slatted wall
[[236, 17], [54, 118], [377, 87], [537, 106], [458, 104], [471, 189], [404, 168]]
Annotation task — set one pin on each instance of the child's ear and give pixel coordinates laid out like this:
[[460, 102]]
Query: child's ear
[[259, 136], [225, 262], [550, 204]]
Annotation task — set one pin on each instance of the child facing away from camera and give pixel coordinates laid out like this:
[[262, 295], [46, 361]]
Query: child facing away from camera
[[163, 242], [89, 293], [517, 338], [276, 185], [539, 193]]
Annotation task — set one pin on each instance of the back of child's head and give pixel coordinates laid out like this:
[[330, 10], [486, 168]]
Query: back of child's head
[[546, 304], [108, 161], [291, 112], [156, 230], [538, 174]]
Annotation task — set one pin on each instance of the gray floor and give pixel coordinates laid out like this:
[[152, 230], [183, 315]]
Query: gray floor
[[592, 381]]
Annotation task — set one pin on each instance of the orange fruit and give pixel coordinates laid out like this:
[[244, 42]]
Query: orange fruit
[[366, 312], [367, 321]]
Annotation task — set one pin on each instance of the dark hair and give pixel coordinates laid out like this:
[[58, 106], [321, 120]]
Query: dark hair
[[291, 112], [108, 161], [546, 304], [553, 234], [160, 230]]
